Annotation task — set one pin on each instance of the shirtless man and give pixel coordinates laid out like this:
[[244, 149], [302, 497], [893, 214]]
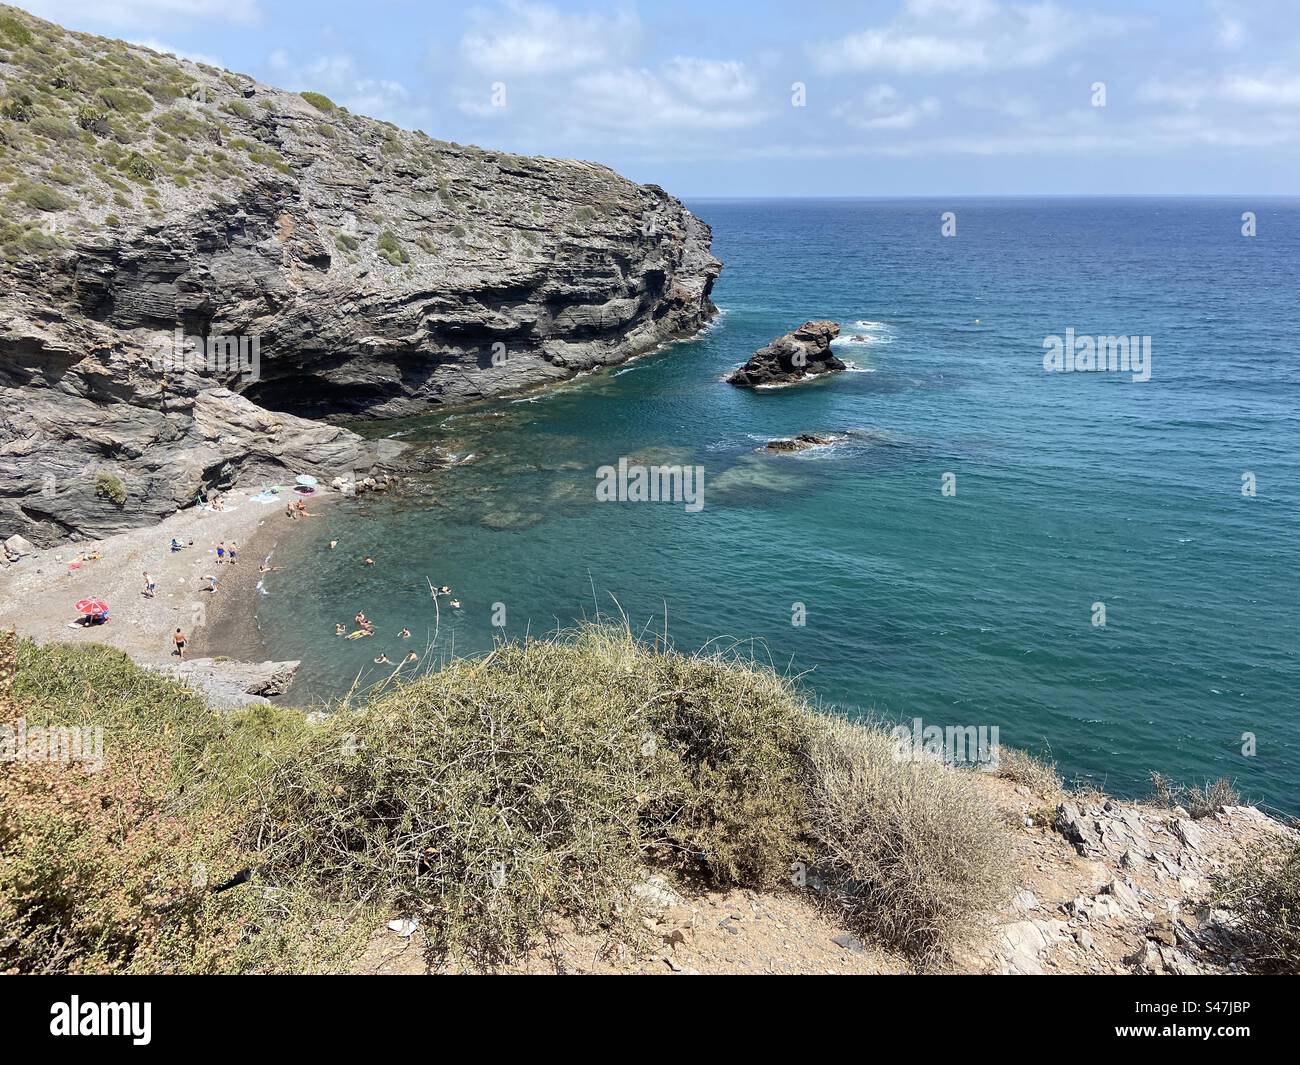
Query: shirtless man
[[178, 641]]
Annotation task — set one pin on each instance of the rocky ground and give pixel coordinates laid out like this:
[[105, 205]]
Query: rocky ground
[[1104, 887], [151, 200]]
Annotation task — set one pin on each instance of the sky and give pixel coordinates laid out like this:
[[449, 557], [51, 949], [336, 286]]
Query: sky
[[796, 98]]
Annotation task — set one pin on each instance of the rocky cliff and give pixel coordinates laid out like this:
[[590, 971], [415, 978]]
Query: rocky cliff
[[198, 273]]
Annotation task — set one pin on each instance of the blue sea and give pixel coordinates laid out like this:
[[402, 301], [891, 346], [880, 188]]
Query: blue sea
[[850, 566]]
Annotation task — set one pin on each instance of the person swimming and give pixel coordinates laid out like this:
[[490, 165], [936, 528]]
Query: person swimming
[[405, 634], [411, 657], [383, 660], [339, 630], [455, 604], [333, 544]]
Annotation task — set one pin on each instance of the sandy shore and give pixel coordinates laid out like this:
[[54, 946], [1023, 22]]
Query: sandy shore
[[37, 593]]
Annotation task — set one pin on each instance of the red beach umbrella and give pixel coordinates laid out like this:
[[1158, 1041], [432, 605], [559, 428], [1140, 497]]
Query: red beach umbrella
[[91, 606]]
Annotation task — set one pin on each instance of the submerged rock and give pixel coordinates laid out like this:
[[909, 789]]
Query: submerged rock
[[802, 353]]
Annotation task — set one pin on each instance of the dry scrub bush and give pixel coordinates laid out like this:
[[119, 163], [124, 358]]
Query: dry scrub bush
[[1197, 801], [488, 800], [112, 871], [498, 794], [1262, 891], [1037, 774], [913, 852]]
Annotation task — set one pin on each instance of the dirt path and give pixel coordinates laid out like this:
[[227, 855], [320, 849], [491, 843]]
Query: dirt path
[[1126, 895]]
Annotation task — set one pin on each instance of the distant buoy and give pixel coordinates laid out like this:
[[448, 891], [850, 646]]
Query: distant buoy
[[977, 321]]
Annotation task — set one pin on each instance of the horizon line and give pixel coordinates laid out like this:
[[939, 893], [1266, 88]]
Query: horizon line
[[1011, 196]]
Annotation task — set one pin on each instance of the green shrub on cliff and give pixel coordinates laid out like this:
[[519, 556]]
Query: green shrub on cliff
[[124, 100], [110, 487], [319, 101], [41, 197], [14, 31], [390, 248]]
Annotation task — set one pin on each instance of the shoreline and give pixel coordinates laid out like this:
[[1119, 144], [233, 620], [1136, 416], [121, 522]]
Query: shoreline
[[37, 593]]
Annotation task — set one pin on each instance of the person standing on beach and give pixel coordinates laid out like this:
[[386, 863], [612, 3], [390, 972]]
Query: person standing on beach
[[178, 639], [233, 551], [221, 552], [149, 586]]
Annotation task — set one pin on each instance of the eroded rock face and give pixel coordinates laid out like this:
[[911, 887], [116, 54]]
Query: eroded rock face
[[802, 353], [381, 273]]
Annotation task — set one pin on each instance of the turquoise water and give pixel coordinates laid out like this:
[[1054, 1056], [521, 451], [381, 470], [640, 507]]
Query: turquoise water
[[966, 609]]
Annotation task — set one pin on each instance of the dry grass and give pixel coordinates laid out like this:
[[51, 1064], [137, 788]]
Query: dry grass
[[1262, 891], [1203, 801], [913, 852], [499, 794], [1039, 775]]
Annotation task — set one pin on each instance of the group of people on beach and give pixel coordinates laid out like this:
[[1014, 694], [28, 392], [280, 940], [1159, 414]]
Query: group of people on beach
[[83, 557], [295, 509]]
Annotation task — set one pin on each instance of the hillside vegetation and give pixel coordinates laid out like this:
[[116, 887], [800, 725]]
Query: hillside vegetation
[[488, 801]]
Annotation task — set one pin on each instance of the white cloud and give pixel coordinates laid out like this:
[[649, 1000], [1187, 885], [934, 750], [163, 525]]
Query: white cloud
[[1229, 30], [1273, 89], [947, 36], [904, 54], [524, 39], [145, 13], [1266, 91], [710, 81], [180, 53], [641, 100], [883, 108], [339, 78], [966, 12], [667, 104]]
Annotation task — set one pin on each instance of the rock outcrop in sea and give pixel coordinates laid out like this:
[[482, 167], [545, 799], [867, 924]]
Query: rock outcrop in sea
[[199, 273], [801, 353], [803, 442]]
